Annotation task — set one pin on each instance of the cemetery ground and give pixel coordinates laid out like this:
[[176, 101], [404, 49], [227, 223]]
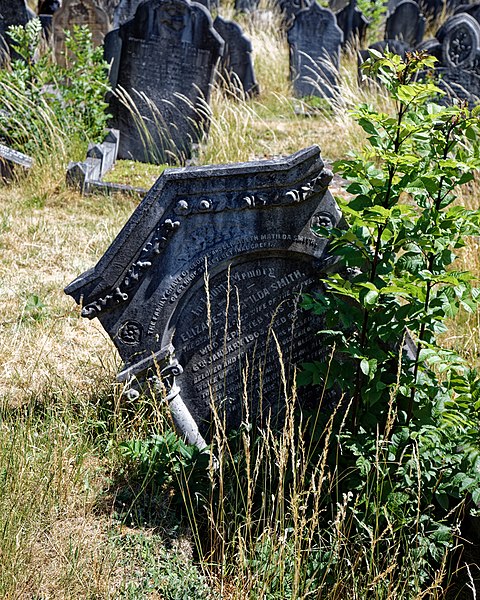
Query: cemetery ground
[[74, 521]]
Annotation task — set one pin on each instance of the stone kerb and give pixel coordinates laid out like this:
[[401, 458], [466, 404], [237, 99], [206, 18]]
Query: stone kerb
[[204, 281]]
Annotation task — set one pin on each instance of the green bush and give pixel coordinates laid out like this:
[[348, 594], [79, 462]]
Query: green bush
[[45, 107], [411, 429]]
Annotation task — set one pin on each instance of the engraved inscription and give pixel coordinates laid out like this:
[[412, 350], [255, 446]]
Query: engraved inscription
[[235, 338]]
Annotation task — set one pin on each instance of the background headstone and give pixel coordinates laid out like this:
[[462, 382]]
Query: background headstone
[[248, 230], [460, 39], [12, 12], [166, 61], [124, 11], [406, 23], [353, 23], [236, 66], [315, 40], [246, 6], [471, 9], [78, 12], [290, 8]]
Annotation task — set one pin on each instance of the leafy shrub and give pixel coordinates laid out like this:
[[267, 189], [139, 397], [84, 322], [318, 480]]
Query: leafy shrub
[[411, 428], [44, 106]]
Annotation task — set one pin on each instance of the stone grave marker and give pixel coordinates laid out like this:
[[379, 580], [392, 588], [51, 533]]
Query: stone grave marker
[[202, 285], [12, 160], [124, 11], [353, 23], [315, 40], [12, 12], [406, 23], [458, 47], [460, 39], [290, 8], [471, 9], [246, 6], [236, 66], [78, 12], [163, 66]]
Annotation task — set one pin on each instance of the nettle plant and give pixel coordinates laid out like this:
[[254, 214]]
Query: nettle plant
[[396, 288]]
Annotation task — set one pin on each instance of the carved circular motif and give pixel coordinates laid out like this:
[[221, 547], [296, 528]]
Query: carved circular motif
[[130, 333], [461, 40], [320, 219]]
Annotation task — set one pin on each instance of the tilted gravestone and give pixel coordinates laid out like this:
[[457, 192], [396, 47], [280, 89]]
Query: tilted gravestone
[[12, 12], [163, 62], [315, 40], [11, 161], [202, 286], [236, 66], [78, 12], [406, 23]]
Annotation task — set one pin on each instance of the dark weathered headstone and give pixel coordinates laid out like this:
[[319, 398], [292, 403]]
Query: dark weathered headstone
[[471, 9], [290, 8], [353, 23], [12, 12], [202, 286], [461, 84], [315, 41], [406, 23], [236, 66], [246, 6], [460, 39], [457, 48], [166, 61], [124, 11], [78, 12]]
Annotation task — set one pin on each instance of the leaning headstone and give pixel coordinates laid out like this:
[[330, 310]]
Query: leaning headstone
[[11, 161], [315, 40], [353, 23], [166, 58], [12, 12], [236, 66], [406, 23], [201, 288], [78, 12]]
